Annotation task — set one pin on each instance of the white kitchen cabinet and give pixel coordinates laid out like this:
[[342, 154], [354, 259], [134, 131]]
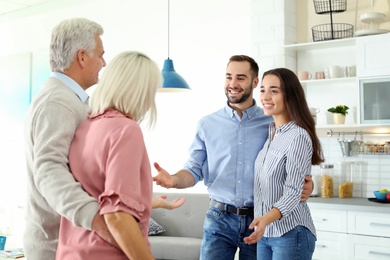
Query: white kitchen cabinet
[[330, 220], [368, 235], [331, 227], [326, 93], [330, 245], [373, 56], [369, 223], [353, 228], [368, 248]]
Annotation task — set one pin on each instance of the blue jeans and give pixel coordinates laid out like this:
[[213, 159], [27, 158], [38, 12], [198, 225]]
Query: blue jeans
[[297, 244], [223, 234]]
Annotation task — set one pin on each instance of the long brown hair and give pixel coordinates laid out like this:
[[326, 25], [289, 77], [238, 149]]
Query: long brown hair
[[297, 108]]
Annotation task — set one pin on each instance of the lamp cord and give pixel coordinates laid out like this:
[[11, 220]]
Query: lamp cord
[[168, 25]]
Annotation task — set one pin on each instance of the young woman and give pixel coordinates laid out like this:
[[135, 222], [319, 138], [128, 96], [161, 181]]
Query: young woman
[[109, 158], [283, 223]]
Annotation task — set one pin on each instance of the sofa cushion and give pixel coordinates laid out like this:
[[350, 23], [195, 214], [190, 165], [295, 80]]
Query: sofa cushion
[[175, 248], [154, 227]]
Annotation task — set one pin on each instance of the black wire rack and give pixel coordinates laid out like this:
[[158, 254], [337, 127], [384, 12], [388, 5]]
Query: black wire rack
[[331, 31], [330, 6]]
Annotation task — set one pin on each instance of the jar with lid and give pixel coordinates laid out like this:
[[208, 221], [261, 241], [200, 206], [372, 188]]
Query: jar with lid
[[346, 172], [387, 147], [326, 180], [316, 178]]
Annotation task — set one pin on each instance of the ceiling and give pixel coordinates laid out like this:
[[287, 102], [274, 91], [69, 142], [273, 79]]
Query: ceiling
[[13, 9], [9, 6]]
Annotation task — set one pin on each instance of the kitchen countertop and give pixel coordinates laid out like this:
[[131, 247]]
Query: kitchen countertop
[[357, 204]]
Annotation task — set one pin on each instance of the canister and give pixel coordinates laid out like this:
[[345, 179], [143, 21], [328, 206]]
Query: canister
[[346, 173], [327, 177]]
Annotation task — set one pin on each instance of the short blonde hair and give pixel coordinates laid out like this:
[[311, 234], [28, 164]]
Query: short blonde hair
[[129, 84]]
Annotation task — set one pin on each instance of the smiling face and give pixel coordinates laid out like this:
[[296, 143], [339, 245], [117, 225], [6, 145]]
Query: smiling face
[[239, 84], [272, 99]]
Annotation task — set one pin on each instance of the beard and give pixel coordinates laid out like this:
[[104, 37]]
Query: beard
[[239, 98]]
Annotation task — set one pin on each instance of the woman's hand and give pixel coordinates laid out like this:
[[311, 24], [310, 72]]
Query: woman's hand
[[259, 229], [162, 202]]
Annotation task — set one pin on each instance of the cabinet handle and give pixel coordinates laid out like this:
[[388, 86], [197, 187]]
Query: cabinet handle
[[378, 253], [320, 219], [321, 246], [379, 224]]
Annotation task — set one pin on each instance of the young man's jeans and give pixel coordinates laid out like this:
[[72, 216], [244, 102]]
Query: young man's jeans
[[223, 234], [297, 244]]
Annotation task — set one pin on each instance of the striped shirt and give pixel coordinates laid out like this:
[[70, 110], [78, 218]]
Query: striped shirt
[[280, 170]]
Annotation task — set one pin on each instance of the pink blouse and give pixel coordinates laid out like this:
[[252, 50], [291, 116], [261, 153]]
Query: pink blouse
[[109, 158]]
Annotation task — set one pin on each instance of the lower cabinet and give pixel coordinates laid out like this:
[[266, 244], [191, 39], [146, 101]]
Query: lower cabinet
[[348, 234], [367, 247], [331, 226], [330, 245]]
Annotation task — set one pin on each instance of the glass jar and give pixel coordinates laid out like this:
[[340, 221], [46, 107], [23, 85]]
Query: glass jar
[[316, 178], [346, 179], [387, 147], [326, 180]]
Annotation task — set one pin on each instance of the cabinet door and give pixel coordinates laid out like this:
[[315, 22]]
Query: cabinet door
[[373, 55], [367, 248], [330, 245], [330, 220], [369, 223]]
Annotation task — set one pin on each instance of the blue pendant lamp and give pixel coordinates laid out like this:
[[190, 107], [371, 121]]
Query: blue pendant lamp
[[173, 82]]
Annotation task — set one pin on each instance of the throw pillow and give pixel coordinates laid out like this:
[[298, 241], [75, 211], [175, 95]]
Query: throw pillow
[[154, 227]]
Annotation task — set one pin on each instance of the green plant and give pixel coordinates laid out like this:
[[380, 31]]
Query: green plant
[[342, 109]]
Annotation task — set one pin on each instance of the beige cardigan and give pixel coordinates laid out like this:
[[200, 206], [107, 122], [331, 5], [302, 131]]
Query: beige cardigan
[[51, 121]]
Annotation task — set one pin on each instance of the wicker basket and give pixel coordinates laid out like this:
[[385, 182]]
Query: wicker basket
[[331, 31], [327, 6]]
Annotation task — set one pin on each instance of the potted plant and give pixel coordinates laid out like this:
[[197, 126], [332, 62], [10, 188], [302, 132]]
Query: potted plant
[[339, 113]]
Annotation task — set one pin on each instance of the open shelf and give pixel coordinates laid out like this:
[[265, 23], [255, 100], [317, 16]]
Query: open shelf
[[321, 44]]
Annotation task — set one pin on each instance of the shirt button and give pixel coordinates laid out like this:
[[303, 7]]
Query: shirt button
[[239, 162]]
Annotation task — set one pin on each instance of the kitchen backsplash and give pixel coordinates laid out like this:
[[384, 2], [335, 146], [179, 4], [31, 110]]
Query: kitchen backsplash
[[372, 169]]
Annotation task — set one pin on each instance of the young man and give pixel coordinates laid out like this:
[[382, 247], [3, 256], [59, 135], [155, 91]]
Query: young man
[[223, 155]]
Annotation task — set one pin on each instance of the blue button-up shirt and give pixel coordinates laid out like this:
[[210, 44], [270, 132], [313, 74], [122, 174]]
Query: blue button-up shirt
[[224, 151]]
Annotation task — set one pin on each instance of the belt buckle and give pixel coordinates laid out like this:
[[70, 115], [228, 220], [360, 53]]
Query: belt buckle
[[239, 210]]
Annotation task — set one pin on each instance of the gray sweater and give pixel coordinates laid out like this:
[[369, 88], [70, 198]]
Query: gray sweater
[[51, 121]]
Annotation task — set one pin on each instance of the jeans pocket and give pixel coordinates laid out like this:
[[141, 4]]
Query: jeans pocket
[[311, 240], [213, 213]]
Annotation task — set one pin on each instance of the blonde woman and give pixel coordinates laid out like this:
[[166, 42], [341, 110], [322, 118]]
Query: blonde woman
[[109, 158]]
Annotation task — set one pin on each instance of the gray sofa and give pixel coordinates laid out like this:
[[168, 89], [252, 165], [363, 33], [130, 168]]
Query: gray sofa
[[184, 228]]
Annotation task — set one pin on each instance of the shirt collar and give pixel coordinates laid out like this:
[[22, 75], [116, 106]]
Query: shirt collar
[[250, 112], [280, 129], [73, 85]]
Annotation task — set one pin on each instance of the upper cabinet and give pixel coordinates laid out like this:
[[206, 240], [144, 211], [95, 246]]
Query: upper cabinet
[[373, 56]]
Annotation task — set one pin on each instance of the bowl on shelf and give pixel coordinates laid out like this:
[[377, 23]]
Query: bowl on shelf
[[380, 195]]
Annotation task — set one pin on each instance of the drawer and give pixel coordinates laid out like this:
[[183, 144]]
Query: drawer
[[330, 245], [367, 248], [330, 220], [369, 223]]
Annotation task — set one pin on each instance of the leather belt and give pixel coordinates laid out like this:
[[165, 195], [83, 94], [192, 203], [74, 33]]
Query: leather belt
[[246, 211]]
